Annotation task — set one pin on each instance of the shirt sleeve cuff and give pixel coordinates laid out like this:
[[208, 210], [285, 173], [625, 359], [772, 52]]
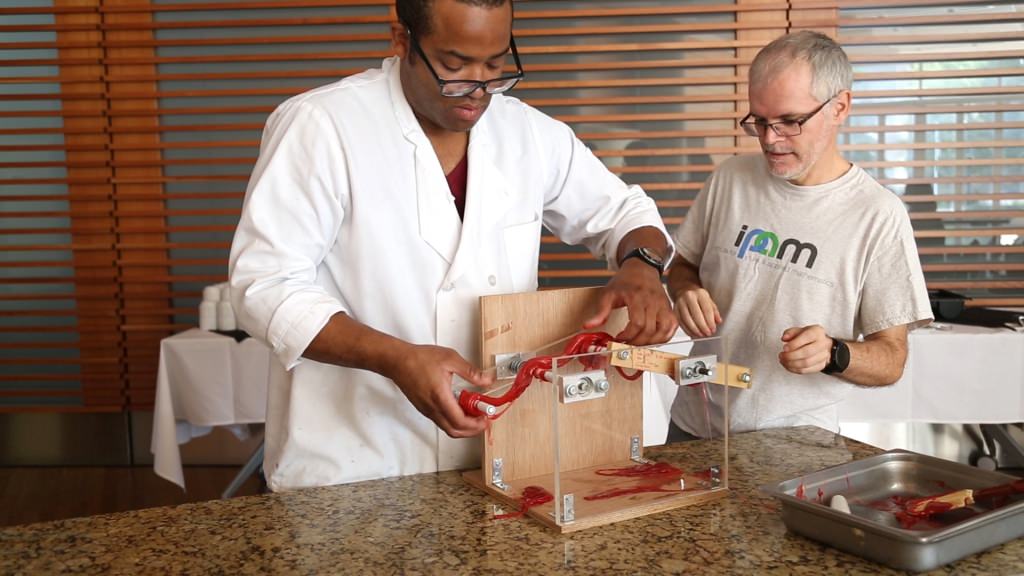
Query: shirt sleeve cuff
[[296, 322]]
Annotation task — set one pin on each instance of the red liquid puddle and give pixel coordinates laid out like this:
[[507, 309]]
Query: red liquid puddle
[[935, 515], [660, 472], [532, 496], [616, 492], [649, 469]]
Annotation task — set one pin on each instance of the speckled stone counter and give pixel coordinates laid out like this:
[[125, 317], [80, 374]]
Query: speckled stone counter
[[431, 524]]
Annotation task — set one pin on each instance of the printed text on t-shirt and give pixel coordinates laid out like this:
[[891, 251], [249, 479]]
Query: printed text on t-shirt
[[764, 242]]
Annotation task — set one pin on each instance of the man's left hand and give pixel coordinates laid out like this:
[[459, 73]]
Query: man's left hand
[[637, 286], [806, 350]]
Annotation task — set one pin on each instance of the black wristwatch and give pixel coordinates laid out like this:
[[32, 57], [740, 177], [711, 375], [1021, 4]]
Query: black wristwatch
[[648, 256], [839, 358]]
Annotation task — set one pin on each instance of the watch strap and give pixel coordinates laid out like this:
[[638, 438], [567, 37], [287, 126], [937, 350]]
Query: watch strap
[[644, 254], [839, 358]]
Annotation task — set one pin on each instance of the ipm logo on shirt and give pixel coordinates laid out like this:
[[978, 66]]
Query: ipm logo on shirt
[[767, 243]]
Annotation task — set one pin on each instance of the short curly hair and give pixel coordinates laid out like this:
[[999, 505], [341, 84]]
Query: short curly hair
[[416, 13]]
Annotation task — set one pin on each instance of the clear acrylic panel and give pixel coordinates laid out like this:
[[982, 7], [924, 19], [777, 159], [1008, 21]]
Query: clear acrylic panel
[[591, 437]]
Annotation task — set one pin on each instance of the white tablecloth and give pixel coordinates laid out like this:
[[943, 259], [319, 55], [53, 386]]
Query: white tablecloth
[[965, 374], [204, 380]]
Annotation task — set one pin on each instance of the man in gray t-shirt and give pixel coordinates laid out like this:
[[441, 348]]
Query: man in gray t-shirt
[[794, 254]]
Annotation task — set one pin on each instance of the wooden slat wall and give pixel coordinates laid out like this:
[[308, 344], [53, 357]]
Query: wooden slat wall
[[128, 129], [940, 87]]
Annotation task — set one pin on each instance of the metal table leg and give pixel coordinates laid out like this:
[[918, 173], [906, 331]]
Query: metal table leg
[[254, 463]]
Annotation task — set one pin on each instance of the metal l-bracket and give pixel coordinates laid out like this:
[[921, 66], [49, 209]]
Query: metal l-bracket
[[497, 477], [635, 451], [507, 365], [568, 508]]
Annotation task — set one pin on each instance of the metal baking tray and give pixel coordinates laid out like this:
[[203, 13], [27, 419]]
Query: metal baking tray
[[874, 486]]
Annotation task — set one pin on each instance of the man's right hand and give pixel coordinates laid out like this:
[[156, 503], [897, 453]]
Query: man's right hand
[[698, 314], [424, 374]]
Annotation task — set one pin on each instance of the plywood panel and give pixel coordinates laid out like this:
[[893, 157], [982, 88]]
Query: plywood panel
[[523, 436]]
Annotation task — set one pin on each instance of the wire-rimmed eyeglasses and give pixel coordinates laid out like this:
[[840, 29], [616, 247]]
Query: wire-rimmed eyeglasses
[[784, 128], [459, 88]]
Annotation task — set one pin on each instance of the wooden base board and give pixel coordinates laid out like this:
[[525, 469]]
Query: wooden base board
[[593, 513]]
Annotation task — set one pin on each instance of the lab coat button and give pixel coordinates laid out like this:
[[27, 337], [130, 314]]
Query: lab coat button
[[492, 279]]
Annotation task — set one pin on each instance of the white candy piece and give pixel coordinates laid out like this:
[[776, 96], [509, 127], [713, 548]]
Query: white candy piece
[[839, 502]]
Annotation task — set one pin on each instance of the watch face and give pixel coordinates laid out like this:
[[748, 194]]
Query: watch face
[[842, 355], [652, 257]]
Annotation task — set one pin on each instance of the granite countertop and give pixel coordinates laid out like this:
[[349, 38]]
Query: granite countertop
[[436, 523]]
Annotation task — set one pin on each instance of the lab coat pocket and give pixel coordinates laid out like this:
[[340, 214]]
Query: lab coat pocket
[[522, 253]]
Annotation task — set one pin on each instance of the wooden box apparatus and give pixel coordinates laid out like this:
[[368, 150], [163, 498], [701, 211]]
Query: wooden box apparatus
[[579, 446]]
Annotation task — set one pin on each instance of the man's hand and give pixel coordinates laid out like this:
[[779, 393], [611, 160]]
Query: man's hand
[[698, 314], [637, 286], [806, 350], [424, 375]]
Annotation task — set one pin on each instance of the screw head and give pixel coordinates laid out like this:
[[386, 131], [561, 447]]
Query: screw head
[[745, 377], [624, 355], [571, 390], [602, 385]]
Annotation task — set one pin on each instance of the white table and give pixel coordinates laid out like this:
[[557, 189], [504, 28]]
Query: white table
[[205, 379], [962, 375]]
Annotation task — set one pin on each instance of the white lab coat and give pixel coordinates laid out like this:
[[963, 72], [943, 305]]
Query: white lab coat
[[348, 210]]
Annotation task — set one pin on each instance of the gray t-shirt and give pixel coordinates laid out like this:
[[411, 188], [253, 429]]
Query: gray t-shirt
[[774, 256]]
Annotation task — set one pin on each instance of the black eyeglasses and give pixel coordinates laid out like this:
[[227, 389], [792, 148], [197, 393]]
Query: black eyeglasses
[[459, 88], [784, 128]]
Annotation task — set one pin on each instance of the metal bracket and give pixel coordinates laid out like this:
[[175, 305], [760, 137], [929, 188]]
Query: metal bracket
[[580, 386], [696, 369], [716, 476], [507, 365], [497, 478], [635, 451], [568, 508]]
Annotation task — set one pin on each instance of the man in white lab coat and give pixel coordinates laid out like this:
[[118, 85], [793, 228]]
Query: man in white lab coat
[[379, 211]]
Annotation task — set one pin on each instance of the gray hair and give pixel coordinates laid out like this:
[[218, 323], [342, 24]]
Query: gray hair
[[831, 72]]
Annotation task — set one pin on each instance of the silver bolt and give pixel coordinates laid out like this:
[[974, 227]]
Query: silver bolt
[[571, 390], [745, 377], [602, 385], [586, 385], [688, 373], [515, 364], [624, 355]]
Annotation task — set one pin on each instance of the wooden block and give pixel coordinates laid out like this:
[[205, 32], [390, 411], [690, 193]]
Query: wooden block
[[941, 503], [653, 360]]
